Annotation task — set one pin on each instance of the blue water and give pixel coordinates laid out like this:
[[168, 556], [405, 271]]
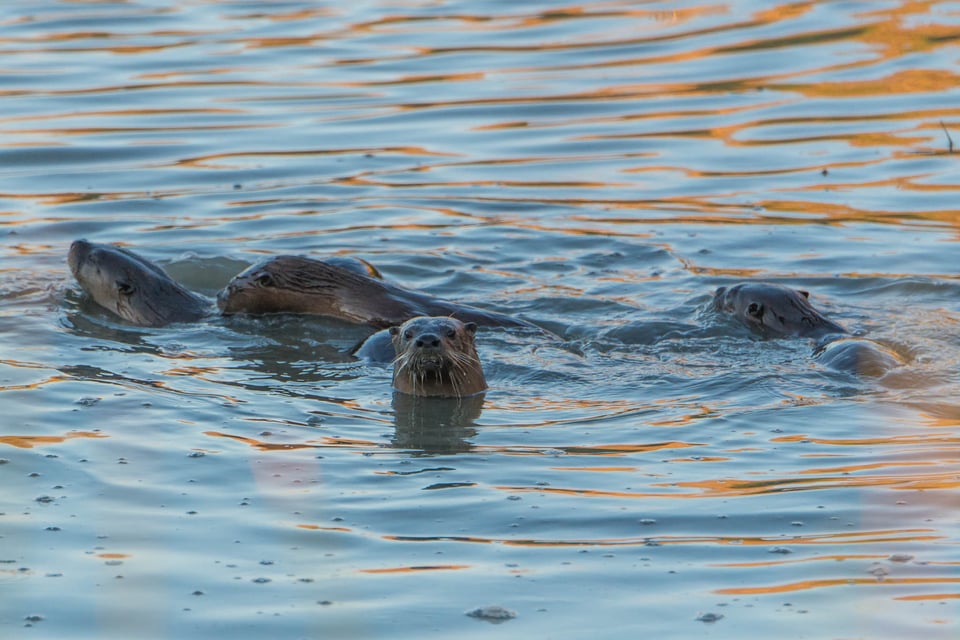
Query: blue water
[[598, 169]]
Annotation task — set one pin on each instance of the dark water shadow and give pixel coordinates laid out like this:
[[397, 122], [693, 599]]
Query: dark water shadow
[[435, 425]]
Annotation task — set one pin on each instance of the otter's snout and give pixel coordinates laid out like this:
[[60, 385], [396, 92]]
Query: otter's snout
[[427, 340], [79, 251], [223, 297]]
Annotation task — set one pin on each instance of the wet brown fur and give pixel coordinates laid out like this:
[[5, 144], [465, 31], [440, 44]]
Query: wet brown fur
[[295, 284], [437, 357]]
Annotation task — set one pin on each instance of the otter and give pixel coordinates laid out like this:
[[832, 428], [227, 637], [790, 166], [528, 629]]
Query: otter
[[774, 310], [132, 287], [437, 357], [296, 284]]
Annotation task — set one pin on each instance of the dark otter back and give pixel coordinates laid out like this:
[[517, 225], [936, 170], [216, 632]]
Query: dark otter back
[[858, 356]]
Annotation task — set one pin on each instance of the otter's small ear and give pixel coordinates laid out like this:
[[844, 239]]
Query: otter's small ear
[[720, 291], [805, 294], [470, 326], [394, 330]]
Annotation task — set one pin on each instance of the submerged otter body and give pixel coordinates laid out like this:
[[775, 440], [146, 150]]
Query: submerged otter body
[[437, 357], [774, 310], [135, 289], [295, 284], [857, 355]]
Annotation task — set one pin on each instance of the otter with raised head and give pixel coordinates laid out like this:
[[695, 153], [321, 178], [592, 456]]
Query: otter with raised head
[[437, 357], [295, 284], [774, 310], [135, 289]]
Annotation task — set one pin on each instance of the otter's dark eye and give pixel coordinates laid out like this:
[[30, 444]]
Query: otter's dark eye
[[124, 288], [451, 332], [408, 335], [755, 310], [265, 280]]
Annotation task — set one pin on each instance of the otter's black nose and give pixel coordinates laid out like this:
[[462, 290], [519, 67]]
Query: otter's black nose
[[427, 340]]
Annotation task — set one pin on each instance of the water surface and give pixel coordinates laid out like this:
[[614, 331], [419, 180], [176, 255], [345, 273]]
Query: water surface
[[598, 169]]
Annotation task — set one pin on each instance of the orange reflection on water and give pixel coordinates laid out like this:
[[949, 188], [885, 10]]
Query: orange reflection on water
[[34, 385], [895, 441], [310, 444], [597, 469], [806, 585], [209, 160], [316, 527], [29, 442], [736, 487], [417, 569], [777, 563], [862, 537], [594, 450]]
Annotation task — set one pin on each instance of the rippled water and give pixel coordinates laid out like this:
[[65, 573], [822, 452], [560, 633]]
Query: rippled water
[[598, 169]]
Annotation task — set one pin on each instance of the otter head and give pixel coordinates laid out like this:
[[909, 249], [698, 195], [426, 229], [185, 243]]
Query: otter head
[[436, 356], [288, 284], [132, 287], [775, 310]]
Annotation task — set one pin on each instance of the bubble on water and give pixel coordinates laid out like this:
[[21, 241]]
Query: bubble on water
[[900, 557], [783, 550], [88, 401], [45, 499], [880, 572], [709, 617], [261, 580], [493, 613], [647, 521], [196, 454]]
